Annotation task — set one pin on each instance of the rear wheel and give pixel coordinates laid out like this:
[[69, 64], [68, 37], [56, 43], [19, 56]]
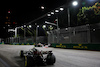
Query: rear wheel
[[50, 59], [28, 61], [39, 60]]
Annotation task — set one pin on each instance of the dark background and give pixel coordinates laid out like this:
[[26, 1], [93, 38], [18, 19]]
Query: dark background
[[22, 12]]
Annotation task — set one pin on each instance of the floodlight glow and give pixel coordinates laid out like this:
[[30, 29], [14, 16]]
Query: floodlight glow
[[48, 14], [21, 26], [61, 9], [30, 26], [4, 27], [24, 25], [44, 26], [56, 10], [52, 12], [8, 25], [37, 25], [66, 28], [75, 3], [42, 7]]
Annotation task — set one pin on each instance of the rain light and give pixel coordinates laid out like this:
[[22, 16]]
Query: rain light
[[8, 11]]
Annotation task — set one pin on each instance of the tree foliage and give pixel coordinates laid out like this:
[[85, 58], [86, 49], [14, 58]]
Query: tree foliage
[[89, 14]]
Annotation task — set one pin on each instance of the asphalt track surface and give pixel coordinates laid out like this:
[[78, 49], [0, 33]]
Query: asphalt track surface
[[9, 57], [1, 64]]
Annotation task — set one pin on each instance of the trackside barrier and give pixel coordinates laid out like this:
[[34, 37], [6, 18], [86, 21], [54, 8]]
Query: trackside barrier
[[22, 44], [77, 46], [2, 43]]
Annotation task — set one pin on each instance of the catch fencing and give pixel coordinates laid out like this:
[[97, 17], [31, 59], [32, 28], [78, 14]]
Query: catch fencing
[[86, 34], [30, 39], [89, 33]]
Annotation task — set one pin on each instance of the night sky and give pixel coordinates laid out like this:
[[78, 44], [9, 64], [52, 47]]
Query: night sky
[[25, 11], [22, 12]]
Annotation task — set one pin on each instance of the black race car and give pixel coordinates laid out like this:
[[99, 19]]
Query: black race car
[[35, 57]]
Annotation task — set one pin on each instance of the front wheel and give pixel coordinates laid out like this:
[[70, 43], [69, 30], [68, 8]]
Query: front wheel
[[21, 53], [51, 59]]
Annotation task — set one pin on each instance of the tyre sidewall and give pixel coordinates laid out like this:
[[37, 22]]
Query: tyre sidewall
[[28, 61], [50, 59]]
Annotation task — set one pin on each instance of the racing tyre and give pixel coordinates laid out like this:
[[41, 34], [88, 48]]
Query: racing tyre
[[39, 61], [50, 60], [21, 53], [28, 61]]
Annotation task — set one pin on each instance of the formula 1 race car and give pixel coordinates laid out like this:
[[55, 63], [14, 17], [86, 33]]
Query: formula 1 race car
[[35, 57]]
